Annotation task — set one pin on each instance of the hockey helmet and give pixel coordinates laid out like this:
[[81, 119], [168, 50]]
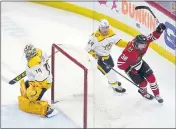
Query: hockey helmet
[[30, 51], [140, 42], [104, 26]]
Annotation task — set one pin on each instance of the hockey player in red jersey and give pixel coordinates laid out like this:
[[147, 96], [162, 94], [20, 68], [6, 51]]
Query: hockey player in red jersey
[[136, 68]]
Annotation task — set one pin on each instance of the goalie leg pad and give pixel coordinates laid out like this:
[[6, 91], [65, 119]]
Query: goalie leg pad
[[38, 107], [34, 93], [47, 83], [23, 89]]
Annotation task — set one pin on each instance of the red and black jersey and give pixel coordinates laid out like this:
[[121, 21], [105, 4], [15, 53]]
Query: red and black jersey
[[131, 56]]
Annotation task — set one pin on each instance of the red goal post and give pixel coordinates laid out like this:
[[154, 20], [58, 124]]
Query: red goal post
[[55, 48]]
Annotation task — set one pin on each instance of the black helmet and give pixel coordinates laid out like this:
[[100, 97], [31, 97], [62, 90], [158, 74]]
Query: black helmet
[[140, 39]]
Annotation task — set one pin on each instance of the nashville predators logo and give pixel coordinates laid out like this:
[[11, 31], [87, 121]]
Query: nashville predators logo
[[108, 46]]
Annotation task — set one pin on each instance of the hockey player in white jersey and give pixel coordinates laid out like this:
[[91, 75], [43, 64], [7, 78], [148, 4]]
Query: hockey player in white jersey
[[99, 46], [39, 80]]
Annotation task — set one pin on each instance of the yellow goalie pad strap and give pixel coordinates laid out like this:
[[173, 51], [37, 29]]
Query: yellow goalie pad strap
[[22, 88], [42, 84], [38, 107], [121, 43]]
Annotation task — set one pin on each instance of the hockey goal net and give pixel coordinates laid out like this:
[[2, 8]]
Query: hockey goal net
[[70, 79], [79, 90]]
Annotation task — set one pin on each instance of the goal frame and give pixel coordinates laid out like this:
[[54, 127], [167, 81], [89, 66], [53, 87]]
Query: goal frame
[[53, 52]]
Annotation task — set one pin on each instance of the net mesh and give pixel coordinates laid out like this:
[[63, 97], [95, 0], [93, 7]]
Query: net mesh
[[69, 84]]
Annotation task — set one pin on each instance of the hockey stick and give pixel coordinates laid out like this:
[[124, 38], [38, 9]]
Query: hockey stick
[[122, 75], [23, 74], [125, 77], [20, 76], [147, 8]]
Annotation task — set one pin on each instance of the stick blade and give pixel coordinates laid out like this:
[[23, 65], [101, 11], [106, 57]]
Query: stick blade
[[141, 7], [19, 77], [12, 82], [147, 8]]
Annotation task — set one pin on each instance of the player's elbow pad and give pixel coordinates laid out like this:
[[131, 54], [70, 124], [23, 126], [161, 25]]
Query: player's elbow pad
[[92, 53]]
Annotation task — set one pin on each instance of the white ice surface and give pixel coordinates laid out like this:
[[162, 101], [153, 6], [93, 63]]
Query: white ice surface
[[23, 23]]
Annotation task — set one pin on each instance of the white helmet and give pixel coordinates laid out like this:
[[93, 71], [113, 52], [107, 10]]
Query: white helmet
[[30, 51], [104, 26]]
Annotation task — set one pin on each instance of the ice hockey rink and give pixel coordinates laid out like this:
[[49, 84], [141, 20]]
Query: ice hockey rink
[[24, 23]]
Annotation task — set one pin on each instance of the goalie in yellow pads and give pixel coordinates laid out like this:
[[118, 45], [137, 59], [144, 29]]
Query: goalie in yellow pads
[[39, 80]]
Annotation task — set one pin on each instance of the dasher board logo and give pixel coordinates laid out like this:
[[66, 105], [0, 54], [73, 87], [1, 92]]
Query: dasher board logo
[[170, 35]]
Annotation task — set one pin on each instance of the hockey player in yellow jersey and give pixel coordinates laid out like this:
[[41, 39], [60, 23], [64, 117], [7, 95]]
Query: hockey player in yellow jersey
[[39, 80], [99, 46]]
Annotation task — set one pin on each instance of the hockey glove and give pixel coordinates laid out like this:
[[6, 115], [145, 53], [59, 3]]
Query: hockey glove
[[160, 28]]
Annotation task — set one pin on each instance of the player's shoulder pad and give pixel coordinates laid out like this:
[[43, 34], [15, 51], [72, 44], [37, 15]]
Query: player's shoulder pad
[[96, 34], [111, 32], [100, 37], [39, 52]]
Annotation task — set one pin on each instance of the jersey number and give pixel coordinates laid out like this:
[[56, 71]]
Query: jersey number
[[124, 57], [130, 49], [46, 66], [38, 70], [91, 43]]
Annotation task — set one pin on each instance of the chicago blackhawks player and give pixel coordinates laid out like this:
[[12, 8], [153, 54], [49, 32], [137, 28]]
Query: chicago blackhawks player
[[99, 46], [136, 68], [39, 80]]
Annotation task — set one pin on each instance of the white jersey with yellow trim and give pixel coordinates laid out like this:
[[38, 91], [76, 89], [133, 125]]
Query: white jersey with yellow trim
[[100, 44], [37, 68]]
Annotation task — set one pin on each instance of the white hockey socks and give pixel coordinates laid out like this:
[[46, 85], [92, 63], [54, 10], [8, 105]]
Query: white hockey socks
[[112, 79]]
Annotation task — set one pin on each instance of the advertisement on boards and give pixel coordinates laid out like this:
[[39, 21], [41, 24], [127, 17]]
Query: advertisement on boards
[[141, 20]]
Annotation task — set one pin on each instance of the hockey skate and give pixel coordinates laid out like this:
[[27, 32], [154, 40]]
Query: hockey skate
[[145, 94], [159, 99], [51, 112], [119, 88]]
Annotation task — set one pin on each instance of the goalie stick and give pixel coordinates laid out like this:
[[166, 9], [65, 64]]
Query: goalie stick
[[20, 76], [23, 74]]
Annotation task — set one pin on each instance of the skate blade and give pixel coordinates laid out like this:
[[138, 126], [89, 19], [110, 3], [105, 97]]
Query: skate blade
[[55, 112]]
